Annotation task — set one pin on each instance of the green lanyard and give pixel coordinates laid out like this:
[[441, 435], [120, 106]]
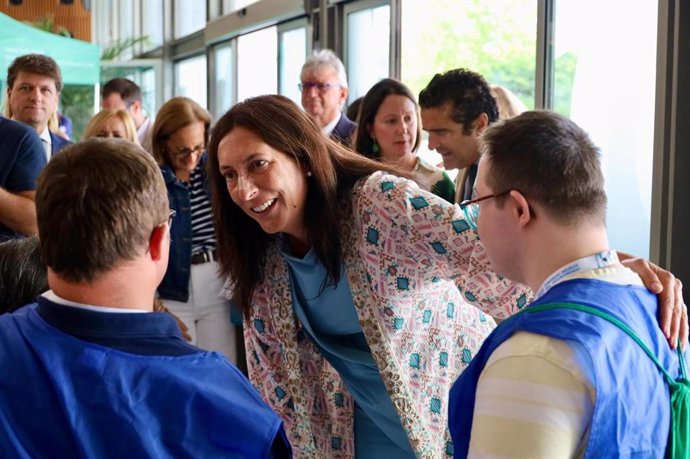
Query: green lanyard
[[618, 323], [678, 445]]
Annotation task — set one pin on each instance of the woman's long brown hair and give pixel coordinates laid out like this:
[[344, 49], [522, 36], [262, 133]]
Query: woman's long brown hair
[[242, 244]]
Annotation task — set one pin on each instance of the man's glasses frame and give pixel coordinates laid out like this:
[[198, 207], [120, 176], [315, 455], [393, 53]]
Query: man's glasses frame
[[469, 202], [322, 87], [171, 216]]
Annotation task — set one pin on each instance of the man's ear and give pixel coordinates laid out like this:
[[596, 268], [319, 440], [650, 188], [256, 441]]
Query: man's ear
[[135, 107], [343, 95], [481, 123], [159, 243], [521, 207]]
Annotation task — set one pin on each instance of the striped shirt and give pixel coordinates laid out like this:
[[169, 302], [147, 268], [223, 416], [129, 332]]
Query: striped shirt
[[203, 233], [533, 394]]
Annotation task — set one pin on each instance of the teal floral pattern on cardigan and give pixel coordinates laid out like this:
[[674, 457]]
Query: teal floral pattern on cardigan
[[412, 265]]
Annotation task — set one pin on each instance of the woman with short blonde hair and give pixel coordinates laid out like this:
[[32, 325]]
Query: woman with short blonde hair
[[112, 123]]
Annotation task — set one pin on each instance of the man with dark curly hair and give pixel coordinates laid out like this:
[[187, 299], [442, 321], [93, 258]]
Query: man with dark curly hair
[[457, 106]]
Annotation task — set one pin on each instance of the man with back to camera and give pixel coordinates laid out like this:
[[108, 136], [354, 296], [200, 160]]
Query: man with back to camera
[[324, 91], [124, 94], [559, 383], [22, 158], [34, 83], [96, 373], [456, 108]]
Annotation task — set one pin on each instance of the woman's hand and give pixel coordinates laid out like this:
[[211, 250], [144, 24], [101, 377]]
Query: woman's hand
[[673, 314]]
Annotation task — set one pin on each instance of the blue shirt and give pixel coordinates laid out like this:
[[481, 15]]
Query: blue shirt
[[22, 158], [80, 383], [329, 317]]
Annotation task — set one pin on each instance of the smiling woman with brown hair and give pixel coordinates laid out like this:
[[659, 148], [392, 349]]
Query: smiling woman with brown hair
[[348, 278], [358, 288]]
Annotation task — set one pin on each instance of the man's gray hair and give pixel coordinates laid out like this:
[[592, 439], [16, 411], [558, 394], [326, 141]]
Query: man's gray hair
[[326, 58]]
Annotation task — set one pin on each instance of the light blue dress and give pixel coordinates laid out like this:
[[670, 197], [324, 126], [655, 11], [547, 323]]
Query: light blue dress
[[328, 315]]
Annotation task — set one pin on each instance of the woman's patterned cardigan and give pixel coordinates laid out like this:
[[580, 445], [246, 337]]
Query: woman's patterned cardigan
[[414, 265]]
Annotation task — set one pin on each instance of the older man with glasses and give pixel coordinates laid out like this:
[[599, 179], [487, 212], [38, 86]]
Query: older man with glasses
[[324, 91]]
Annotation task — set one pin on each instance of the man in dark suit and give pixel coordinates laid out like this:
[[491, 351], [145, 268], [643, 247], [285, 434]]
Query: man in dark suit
[[324, 91], [34, 83]]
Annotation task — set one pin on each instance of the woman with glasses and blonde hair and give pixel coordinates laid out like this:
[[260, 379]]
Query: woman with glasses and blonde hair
[[112, 123], [191, 287]]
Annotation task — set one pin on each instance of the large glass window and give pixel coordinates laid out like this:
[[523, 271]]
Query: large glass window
[[148, 91], [188, 17], [151, 23], [190, 79], [604, 79], [223, 78], [257, 63], [126, 26], [143, 74], [293, 45], [103, 22], [495, 38], [368, 48]]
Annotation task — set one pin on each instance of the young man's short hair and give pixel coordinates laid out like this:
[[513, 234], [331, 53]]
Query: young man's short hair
[[128, 90], [549, 159], [97, 203], [466, 93], [35, 63]]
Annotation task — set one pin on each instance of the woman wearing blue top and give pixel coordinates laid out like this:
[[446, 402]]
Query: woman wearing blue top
[[358, 288], [191, 288]]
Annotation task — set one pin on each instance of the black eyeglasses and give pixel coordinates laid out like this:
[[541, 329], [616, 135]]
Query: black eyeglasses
[[171, 216], [322, 87], [469, 202], [183, 152]]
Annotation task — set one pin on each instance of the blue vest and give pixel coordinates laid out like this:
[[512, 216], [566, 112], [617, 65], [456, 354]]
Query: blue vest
[[64, 397], [631, 414]]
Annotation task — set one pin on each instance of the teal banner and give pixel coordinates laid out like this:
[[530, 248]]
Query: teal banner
[[79, 61]]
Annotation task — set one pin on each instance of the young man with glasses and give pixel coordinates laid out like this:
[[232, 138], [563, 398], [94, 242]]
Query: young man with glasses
[[91, 371], [324, 91], [560, 382]]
